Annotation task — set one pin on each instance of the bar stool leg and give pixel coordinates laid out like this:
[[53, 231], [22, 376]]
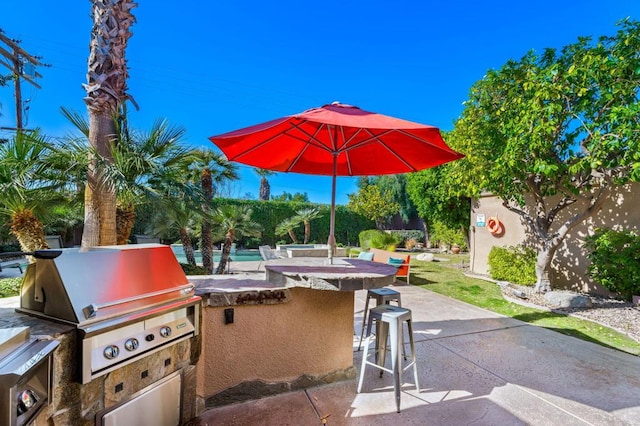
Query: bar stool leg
[[396, 342], [413, 354], [364, 362], [364, 320]]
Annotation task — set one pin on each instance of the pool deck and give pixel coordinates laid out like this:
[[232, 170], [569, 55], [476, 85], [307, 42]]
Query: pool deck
[[475, 367]]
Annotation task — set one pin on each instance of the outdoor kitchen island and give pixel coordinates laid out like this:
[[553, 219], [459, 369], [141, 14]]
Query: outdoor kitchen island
[[290, 331]]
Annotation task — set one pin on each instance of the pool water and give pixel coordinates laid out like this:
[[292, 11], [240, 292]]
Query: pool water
[[238, 256]]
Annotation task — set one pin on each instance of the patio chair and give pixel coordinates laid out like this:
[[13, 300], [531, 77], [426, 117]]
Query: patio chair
[[267, 253]]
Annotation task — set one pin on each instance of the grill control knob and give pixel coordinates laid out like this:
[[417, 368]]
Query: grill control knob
[[165, 331], [131, 344], [149, 337], [110, 352]]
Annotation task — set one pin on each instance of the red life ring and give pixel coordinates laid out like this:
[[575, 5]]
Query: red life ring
[[495, 226]]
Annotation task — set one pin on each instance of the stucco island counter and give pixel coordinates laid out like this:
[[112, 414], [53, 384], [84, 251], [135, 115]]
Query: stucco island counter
[[287, 329]]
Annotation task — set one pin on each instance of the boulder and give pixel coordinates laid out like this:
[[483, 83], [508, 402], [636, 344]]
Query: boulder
[[425, 257], [563, 299]]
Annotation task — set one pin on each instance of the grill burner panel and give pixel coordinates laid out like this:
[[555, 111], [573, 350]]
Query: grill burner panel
[[113, 349]]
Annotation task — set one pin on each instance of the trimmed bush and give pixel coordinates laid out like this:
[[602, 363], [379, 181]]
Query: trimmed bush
[[515, 264], [10, 287], [615, 261], [378, 239]]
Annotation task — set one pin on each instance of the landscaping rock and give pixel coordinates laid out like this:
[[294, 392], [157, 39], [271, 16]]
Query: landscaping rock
[[425, 257], [560, 299]]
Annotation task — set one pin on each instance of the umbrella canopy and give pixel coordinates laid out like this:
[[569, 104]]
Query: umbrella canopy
[[337, 140]]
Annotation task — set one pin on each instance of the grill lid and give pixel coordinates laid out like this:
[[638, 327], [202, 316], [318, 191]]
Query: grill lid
[[102, 282]]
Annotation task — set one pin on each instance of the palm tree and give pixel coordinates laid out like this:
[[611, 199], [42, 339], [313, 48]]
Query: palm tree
[[177, 215], [209, 169], [286, 227], [234, 222], [140, 164], [26, 187], [265, 188], [144, 164], [306, 216], [106, 93]]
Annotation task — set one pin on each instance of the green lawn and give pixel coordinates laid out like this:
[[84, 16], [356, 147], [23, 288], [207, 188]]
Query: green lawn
[[447, 278]]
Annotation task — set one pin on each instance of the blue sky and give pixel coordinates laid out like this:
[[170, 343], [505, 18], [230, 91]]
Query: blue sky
[[215, 66]]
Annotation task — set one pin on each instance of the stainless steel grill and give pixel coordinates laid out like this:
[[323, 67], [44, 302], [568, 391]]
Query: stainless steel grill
[[126, 302]]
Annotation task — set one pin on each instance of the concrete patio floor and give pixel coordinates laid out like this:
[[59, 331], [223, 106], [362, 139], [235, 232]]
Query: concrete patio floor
[[475, 367]]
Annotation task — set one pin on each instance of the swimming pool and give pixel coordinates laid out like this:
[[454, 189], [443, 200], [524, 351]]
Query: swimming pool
[[238, 256]]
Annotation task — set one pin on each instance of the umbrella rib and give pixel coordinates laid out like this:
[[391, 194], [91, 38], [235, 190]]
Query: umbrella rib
[[402, 160], [312, 138]]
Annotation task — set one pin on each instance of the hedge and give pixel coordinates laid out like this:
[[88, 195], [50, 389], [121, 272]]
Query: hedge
[[270, 213]]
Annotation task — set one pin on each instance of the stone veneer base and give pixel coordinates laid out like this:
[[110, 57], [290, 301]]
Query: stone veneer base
[[259, 389]]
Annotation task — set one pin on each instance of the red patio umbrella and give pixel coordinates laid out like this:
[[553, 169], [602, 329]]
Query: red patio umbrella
[[337, 140]]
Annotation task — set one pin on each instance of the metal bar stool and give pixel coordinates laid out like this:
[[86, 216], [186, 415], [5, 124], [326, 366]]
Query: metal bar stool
[[383, 296], [390, 318]]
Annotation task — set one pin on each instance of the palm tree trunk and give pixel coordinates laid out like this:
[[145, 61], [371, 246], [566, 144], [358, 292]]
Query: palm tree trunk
[[307, 231], [226, 253], [187, 246], [265, 189], [100, 198], [106, 91], [206, 244], [125, 219], [292, 235]]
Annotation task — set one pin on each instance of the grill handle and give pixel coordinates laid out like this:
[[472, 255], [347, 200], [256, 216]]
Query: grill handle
[[91, 310], [38, 254]]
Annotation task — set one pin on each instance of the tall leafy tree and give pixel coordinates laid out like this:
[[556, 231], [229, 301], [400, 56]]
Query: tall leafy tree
[[209, 169], [373, 203], [396, 185], [298, 197], [553, 131], [431, 191], [106, 89], [233, 222]]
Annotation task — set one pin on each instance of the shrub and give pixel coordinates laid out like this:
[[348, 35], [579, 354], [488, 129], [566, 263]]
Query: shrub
[[515, 264], [408, 234], [615, 261], [193, 270], [4, 248], [378, 239], [10, 287], [410, 244], [441, 234]]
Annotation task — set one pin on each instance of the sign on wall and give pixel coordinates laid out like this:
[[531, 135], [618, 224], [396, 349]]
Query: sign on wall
[[480, 220]]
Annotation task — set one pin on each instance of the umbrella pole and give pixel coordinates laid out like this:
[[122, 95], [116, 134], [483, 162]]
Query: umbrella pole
[[332, 224]]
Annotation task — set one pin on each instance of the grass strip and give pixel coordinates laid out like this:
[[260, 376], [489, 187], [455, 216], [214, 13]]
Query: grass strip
[[446, 279]]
